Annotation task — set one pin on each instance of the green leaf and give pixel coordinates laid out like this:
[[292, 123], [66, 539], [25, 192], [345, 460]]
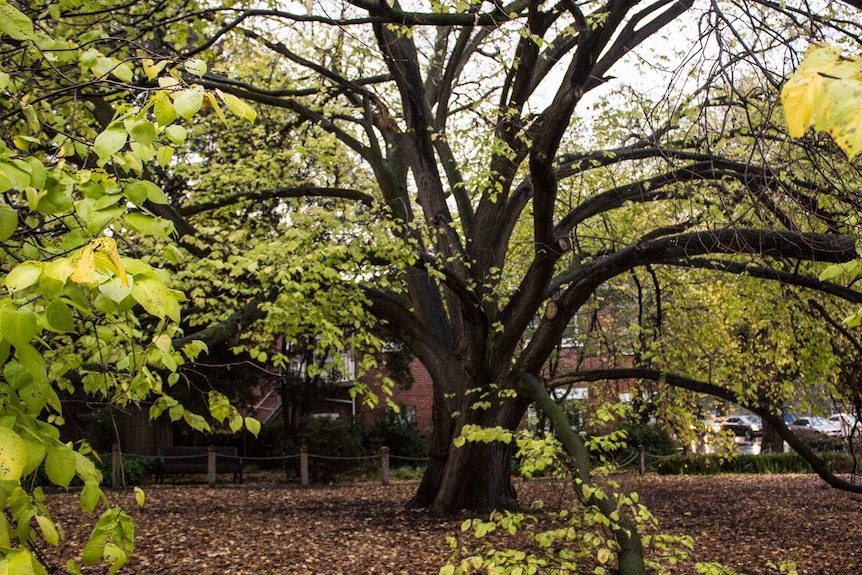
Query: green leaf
[[135, 190], [164, 156], [155, 297], [59, 316], [143, 132], [49, 530], [163, 108], [103, 66], [13, 455], [18, 326], [109, 143], [123, 72], [20, 562], [196, 422], [189, 101], [32, 118], [35, 455], [95, 547], [176, 134], [195, 67], [149, 225], [8, 221], [24, 275], [17, 173], [91, 494], [89, 58], [252, 425], [60, 465], [15, 24], [5, 532], [114, 290], [38, 173], [115, 556], [34, 364], [238, 107]]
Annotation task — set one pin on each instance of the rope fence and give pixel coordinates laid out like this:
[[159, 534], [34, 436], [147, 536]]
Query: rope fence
[[206, 461]]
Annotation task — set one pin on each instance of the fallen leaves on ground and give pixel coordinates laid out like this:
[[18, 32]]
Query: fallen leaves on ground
[[750, 523]]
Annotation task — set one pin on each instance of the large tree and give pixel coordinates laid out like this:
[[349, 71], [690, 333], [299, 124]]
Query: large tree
[[446, 175], [467, 127]]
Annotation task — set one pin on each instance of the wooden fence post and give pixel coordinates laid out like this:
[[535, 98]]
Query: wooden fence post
[[303, 466], [116, 466], [211, 466], [384, 459], [641, 460]]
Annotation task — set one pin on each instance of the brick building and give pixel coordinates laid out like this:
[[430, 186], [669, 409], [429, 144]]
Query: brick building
[[417, 399]]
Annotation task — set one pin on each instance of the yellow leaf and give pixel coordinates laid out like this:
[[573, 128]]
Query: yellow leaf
[[109, 247], [13, 455], [209, 100], [85, 267], [140, 497], [604, 555], [843, 116], [238, 107], [163, 343], [800, 94], [169, 83]]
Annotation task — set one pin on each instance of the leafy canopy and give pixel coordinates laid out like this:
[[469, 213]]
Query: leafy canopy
[[81, 308]]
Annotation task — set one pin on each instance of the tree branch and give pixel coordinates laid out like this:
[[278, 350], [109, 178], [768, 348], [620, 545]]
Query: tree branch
[[293, 192], [817, 464], [763, 272], [232, 326]]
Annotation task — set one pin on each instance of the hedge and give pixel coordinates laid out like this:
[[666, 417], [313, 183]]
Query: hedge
[[713, 463]]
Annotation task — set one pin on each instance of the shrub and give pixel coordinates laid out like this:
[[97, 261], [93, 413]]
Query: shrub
[[336, 443], [820, 442], [407, 473], [655, 440], [399, 432], [708, 464], [136, 471]]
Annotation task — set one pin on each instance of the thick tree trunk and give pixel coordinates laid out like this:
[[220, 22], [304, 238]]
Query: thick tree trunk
[[477, 476]]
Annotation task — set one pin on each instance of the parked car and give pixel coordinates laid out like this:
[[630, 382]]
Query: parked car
[[816, 423], [749, 426], [846, 423]]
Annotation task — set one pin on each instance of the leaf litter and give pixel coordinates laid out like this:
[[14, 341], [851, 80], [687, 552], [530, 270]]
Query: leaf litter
[[749, 523]]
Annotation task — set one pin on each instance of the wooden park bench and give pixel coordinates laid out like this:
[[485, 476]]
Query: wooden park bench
[[184, 460]]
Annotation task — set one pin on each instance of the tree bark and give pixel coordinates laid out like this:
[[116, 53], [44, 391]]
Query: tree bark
[[477, 476]]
